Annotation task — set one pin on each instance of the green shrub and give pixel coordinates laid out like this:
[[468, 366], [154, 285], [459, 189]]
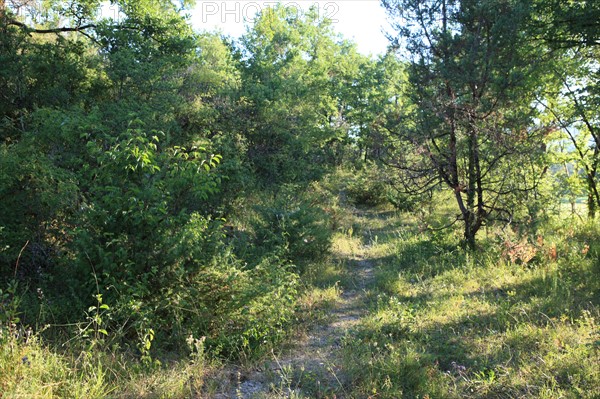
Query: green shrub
[[258, 311], [294, 226], [402, 201], [366, 187]]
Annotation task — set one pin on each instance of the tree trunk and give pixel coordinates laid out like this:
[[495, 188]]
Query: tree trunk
[[473, 219], [592, 203], [470, 230], [591, 206], [593, 197]]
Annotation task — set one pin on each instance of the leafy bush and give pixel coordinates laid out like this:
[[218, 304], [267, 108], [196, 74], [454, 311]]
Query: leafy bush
[[38, 200], [257, 312], [133, 227], [367, 187], [402, 201], [371, 186], [298, 228]]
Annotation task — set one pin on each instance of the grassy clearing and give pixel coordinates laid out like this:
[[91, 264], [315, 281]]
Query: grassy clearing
[[447, 324]]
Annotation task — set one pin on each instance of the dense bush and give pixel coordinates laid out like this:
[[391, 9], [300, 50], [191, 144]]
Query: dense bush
[[295, 226], [371, 186], [366, 187]]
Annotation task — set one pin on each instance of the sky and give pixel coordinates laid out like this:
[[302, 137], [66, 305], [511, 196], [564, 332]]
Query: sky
[[362, 21]]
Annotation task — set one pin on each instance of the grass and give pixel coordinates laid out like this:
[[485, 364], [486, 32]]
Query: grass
[[29, 369], [447, 324], [518, 318]]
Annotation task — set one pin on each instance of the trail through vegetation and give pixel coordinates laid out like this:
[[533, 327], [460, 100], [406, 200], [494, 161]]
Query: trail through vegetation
[[311, 365], [412, 316], [178, 209]]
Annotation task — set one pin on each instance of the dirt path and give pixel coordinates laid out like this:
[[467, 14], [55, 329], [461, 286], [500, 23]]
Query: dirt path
[[310, 368]]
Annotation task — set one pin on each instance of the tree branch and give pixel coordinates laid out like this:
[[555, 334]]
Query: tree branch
[[29, 29]]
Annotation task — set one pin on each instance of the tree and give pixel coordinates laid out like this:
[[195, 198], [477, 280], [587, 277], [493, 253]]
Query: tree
[[98, 172], [566, 24], [472, 76], [570, 34], [572, 104], [292, 69], [373, 100]]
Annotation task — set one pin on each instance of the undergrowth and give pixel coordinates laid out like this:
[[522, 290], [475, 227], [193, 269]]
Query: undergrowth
[[517, 318]]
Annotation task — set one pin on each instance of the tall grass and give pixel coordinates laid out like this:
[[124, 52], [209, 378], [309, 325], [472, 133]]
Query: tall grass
[[516, 318]]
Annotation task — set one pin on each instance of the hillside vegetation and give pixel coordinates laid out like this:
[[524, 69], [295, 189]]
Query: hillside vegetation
[[187, 215]]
